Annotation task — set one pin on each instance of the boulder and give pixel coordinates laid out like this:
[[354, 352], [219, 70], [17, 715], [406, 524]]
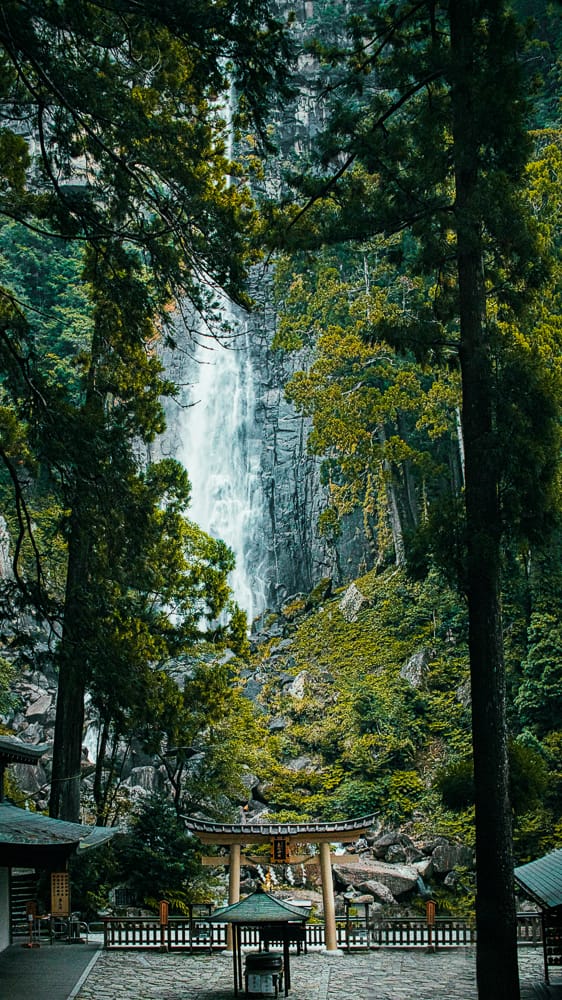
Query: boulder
[[380, 892], [352, 603], [380, 845], [464, 694], [5, 560], [277, 724], [31, 778], [297, 686], [281, 647], [396, 854], [451, 880], [399, 879], [40, 706], [250, 780], [447, 857], [424, 867], [300, 763], [252, 689], [416, 669]]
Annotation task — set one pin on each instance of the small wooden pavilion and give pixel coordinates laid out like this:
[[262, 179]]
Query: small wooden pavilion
[[274, 916], [283, 838], [542, 881], [32, 840]]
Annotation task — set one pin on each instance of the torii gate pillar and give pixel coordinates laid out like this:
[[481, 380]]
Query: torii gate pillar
[[233, 887], [328, 898]]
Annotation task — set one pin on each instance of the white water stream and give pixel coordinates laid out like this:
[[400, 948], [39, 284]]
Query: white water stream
[[220, 447], [221, 451]]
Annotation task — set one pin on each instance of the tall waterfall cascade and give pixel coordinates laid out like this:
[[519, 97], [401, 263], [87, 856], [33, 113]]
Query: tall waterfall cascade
[[221, 451], [254, 483]]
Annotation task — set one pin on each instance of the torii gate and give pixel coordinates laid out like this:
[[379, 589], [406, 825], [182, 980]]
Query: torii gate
[[280, 836]]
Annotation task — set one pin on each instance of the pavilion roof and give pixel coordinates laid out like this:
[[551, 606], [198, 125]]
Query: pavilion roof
[[228, 833], [542, 879], [260, 907], [18, 826], [28, 836], [14, 751]]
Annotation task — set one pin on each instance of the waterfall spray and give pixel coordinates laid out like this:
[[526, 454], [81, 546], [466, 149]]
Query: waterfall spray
[[221, 448], [221, 451]]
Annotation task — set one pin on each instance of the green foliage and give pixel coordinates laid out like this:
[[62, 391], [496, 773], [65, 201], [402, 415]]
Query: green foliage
[[456, 784], [539, 698], [384, 425], [367, 739], [92, 875], [97, 242], [528, 780], [160, 859], [6, 675]]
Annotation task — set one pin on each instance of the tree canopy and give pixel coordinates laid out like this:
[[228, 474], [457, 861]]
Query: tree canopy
[[116, 178], [428, 134]]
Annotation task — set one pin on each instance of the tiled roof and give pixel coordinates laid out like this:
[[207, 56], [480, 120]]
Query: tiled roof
[[542, 879], [14, 751], [260, 908], [267, 830], [29, 829]]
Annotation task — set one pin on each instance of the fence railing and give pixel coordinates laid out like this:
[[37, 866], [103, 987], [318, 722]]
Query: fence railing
[[445, 932], [183, 934]]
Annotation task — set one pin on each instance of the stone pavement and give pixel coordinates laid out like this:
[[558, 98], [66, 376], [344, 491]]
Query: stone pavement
[[84, 972], [389, 974]]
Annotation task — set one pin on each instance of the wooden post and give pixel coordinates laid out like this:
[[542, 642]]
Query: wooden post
[[163, 908], [430, 919], [233, 886], [328, 897]]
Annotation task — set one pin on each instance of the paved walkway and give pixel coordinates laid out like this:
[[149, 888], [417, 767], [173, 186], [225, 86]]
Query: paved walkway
[[50, 972], [81, 972]]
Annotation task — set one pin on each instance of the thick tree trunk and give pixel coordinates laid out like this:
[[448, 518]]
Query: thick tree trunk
[[497, 968], [69, 722]]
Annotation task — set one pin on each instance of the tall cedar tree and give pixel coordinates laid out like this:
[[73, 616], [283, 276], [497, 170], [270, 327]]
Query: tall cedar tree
[[115, 136], [427, 134]]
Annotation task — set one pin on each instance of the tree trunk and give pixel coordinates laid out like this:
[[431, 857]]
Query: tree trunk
[[69, 722], [497, 968], [392, 505]]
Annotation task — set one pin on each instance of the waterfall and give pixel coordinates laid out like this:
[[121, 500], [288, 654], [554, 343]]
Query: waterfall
[[221, 450]]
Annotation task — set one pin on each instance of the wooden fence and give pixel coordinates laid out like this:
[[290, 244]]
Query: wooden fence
[[183, 934]]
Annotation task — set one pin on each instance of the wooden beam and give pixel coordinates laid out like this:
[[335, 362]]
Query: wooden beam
[[223, 860]]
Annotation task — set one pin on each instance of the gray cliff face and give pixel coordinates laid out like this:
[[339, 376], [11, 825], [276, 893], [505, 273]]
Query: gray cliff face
[[245, 448]]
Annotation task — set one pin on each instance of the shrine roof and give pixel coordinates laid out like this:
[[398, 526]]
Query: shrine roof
[[228, 833], [542, 879], [260, 907], [32, 839], [14, 751]]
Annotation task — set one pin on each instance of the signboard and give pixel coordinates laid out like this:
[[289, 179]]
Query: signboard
[[280, 853], [60, 894]]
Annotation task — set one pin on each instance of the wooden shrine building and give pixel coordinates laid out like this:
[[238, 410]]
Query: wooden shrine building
[[283, 839], [542, 882], [32, 840]]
